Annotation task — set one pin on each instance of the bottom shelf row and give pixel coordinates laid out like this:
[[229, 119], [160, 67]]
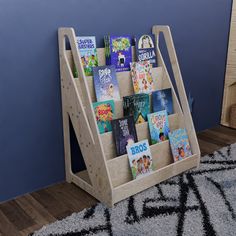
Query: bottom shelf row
[[120, 170], [125, 186]]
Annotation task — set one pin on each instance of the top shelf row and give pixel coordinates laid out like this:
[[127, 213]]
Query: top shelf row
[[118, 51]]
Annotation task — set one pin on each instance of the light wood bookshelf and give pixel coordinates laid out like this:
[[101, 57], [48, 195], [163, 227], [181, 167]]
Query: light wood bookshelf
[[107, 177], [229, 97]]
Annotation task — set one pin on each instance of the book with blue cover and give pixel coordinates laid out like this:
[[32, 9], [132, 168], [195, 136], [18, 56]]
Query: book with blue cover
[[141, 74], [137, 105], [145, 48], [158, 126], [162, 100], [179, 144], [105, 83], [118, 51], [124, 133], [140, 159], [88, 53], [104, 113]]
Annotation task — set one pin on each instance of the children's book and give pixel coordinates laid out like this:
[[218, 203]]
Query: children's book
[[140, 159], [104, 112], [141, 74], [162, 100], [137, 105], [158, 126], [105, 83], [88, 53], [118, 51], [124, 133], [145, 48], [179, 144]]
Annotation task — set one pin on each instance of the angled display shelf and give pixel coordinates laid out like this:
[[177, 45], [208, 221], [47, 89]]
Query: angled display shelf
[[107, 177]]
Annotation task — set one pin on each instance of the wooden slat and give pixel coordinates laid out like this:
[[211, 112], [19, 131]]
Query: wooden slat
[[142, 133], [120, 170], [125, 83]]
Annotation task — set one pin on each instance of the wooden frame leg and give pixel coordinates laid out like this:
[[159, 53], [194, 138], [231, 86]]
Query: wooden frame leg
[[67, 150]]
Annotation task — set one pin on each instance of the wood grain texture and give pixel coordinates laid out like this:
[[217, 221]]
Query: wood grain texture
[[53, 203], [230, 75], [77, 97]]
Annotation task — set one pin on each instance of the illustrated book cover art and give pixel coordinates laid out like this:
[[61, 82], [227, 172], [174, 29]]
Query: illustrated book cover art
[[124, 133], [118, 51], [104, 113], [88, 53], [137, 105], [162, 100], [140, 159], [141, 74], [145, 48], [105, 83], [179, 144], [158, 126]]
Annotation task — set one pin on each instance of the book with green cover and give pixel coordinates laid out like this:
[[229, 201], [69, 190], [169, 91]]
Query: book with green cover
[[137, 105], [88, 53]]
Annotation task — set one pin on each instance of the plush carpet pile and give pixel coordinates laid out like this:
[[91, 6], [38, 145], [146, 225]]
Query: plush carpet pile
[[199, 202]]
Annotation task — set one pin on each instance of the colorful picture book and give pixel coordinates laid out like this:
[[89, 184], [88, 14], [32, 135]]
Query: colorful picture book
[[162, 100], [88, 53], [104, 113], [137, 105], [141, 74], [140, 159], [118, 51], [145, 48], [158, 126], [124, 133], [179, 144], [105, 83]]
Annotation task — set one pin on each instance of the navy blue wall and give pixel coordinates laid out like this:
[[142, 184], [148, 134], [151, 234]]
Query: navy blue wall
[[31, 141]]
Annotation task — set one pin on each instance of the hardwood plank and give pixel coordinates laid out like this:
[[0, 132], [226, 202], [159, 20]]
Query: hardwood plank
[[73, 197], [225, 138], [211, 138], [48, 201], [16, 215], [225, 130], [35, 210], [207, 147], [7, 228]]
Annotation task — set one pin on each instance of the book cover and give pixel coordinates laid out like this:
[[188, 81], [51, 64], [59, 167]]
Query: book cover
[[141, 74], [145, 48], [118, 52], [179, 144], [105, 83], [137, 105], [88, 53], [162, 100], [104, 113], [124, 133], [140, 159], [158, 126]]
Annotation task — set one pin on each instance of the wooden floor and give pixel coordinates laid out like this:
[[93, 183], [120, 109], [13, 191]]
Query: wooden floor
[[30, 212]]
